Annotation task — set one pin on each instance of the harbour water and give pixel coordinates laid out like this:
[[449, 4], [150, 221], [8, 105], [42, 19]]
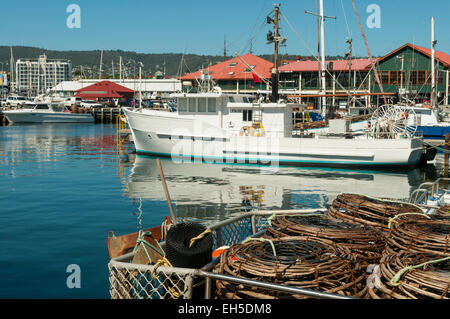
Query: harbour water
[[65, 186]]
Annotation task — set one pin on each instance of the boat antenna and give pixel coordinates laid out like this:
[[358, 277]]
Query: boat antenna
[[274, 38]]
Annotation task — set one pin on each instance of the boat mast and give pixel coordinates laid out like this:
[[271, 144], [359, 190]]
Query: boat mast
[[276, 40], [433, 69]]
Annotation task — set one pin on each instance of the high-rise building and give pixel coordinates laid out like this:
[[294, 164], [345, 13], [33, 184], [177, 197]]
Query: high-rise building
[[36, 76]]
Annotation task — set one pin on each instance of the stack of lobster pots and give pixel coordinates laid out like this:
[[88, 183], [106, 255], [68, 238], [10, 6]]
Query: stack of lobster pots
[[361, 247]]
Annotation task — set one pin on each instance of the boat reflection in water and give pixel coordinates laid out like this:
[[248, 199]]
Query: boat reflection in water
[[213, 192]]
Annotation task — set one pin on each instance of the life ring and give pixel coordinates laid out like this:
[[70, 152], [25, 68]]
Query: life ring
[[245, 131], [257, 131]]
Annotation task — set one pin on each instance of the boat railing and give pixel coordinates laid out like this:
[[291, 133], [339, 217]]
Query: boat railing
[[429, 189]]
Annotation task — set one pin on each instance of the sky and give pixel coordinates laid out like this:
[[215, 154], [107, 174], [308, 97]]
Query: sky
[[200, 26]]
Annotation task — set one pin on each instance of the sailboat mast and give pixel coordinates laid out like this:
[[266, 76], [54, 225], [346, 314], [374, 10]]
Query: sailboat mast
[[275, 59], [433, 69], [101, 63], [322, 54]]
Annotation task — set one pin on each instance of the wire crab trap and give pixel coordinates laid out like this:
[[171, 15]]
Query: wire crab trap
[[292, 262], [419, 235], [365, 242], [374, 212], [411, 276]]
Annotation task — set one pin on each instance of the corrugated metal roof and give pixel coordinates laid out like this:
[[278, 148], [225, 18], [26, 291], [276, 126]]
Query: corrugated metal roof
[[443, 57], [235, 69], [338, 65]]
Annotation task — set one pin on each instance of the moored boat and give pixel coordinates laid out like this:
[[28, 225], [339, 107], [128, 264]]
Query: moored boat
[[47, 113]]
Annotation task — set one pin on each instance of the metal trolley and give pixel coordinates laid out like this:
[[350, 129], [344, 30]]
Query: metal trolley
[[136, 281]]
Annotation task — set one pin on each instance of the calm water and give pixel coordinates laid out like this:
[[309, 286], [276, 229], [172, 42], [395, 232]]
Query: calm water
[[64, 186]]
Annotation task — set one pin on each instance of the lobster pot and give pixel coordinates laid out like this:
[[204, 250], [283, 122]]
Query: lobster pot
[[365, 242], [419, 234], [292, 262], [360, 209], [394, 280], [443, 211]]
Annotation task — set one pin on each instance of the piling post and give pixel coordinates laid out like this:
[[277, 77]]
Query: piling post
[[446, 155]]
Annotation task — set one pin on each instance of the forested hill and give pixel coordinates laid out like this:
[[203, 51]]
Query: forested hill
[[172, 63]]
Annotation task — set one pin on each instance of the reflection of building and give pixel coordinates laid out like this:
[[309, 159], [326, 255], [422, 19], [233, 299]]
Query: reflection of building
[[36, 76]]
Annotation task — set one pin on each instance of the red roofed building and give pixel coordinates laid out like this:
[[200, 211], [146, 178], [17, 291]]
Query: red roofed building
[[104, 90], [240, 74], [303, 77]]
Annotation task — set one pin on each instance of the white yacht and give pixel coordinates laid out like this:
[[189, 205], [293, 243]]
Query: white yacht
[[230, 128], [47, 113]]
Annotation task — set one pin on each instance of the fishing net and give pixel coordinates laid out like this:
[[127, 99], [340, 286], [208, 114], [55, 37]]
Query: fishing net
[[289, 261], [360, 209], [363, 241]]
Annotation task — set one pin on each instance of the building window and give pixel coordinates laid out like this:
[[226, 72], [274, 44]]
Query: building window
[[247, 115], [248, 70]]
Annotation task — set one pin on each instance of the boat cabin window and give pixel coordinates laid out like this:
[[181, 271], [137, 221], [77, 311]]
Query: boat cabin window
[[246, 100], [182, 104], [211, 105], [231, 99], [197, 105], [424, 112], [42, 107], [192, 107], [201, 107], [247, 115]]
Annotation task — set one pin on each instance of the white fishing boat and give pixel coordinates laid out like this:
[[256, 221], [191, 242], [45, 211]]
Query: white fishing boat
[[47, 113], [224, 128]]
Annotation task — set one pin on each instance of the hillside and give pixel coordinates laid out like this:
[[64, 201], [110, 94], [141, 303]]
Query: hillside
[[89, 61]]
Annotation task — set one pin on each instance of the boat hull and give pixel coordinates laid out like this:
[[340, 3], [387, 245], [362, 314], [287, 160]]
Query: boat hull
[[48, 117], [153, 136]]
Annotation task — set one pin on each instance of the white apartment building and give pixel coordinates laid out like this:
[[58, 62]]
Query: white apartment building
[[37, 76]]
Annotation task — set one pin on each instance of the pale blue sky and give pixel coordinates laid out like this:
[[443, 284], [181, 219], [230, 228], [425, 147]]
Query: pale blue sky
[[199, 26]]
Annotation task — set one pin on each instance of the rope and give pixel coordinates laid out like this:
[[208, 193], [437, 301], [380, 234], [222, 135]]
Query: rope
[[141, 240], [392, 219], [395, 280], [164, 229], [262, 240], [164, 262], [437, 147], [193, 240]]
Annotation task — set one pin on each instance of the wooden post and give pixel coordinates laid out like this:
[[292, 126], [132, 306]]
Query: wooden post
[[166, 191], [446, 155]]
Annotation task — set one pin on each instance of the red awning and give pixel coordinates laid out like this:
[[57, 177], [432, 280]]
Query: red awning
[[104, 89]]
